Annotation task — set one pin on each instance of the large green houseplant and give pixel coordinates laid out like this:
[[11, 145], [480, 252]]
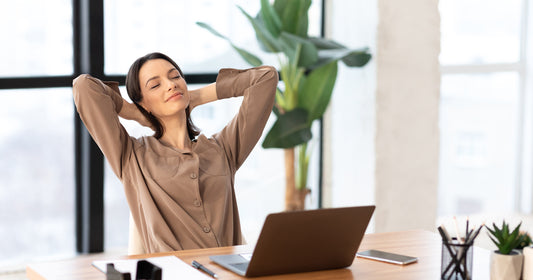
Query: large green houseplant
[[308, 69]]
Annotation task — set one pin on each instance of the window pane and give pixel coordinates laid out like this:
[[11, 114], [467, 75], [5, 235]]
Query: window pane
[[480, 31], [36, 174], [478, 124], [135, 28], [351, 116], [37, 38], [116, 212]]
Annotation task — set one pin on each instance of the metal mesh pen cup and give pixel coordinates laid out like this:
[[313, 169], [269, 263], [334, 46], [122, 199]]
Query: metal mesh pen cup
[[456, 262]]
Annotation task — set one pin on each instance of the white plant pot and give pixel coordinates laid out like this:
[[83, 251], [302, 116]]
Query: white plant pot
[[527, 272], [506, 267]]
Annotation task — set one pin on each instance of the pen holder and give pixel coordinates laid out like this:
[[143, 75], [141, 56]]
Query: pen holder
[[456, 260]]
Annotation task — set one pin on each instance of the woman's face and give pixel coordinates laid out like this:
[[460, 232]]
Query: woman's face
[[163, 89]]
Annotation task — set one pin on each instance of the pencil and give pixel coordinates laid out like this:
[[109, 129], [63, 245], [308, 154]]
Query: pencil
[[456, 229]]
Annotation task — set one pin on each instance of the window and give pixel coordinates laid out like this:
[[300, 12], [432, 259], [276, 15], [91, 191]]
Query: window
[[481, 113], [37, 38], [37, 128], [36, 174], [135, 28]]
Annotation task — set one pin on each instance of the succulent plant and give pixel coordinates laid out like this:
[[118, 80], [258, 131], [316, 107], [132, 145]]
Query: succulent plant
[[526, 242], [504, 239]]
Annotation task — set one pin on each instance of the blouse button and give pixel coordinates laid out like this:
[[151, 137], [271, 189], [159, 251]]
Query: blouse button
[[207, 229], [193, 175], [197, 203]]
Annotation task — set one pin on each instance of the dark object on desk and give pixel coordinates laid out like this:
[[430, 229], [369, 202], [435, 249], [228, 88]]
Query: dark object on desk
[[457, 252], [148, 271], [303, 241], [145, 271], [199, 266], [457, 260], [113, 274], [387, 257]]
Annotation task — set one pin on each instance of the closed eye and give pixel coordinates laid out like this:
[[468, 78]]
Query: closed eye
[[154, 86]]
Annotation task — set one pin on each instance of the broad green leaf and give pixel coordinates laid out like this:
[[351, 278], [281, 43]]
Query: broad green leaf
[[279, 6], [357, 59], [270, 18], [325, 44], [308, 54], [289, 130], [246, 55], [293, 14], [317, 89], [211, 29], [267, 39], [352, 58]]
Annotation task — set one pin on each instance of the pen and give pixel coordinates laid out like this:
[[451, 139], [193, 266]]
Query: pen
[[197, 265], [466, 231]]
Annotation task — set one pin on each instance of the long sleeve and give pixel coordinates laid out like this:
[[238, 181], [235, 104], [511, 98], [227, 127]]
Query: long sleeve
[[258, 86], [98, 104]]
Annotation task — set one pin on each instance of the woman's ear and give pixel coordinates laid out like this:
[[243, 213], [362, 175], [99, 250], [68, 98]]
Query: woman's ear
[[144, 107]]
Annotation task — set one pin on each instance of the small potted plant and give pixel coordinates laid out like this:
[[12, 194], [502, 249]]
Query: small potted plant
[[506, 262], [526, 240], [527, 252]]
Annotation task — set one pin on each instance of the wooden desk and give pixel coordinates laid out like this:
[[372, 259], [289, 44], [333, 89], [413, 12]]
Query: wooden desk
[[422, 244]]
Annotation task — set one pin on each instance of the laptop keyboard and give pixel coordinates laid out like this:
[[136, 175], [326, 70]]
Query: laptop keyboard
[[240, 266], [246, 256]]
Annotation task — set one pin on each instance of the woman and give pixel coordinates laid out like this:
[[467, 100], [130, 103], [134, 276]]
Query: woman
[[179, 187]]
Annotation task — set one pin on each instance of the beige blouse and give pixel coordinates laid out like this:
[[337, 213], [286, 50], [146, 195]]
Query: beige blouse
[[181, 200]]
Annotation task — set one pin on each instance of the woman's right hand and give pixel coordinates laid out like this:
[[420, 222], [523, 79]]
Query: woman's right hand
[[129, 111]]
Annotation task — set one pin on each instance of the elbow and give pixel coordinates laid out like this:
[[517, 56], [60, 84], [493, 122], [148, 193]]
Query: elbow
[[85, 82], [82, 85], [271, 76], [81, 81], [272, 73]]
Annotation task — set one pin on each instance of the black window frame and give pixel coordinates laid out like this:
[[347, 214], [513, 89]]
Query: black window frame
[[88, 58]]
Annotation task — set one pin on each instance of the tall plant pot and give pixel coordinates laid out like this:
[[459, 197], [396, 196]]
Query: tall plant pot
[[294, 197], [506, 267], [527, 272]]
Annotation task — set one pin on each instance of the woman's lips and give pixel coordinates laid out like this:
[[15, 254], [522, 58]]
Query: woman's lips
[[174, 96]]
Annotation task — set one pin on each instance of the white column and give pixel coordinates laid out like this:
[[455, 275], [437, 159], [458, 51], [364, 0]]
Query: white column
[[407, 111]]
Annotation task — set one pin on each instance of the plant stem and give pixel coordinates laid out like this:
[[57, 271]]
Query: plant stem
[[302, 167]]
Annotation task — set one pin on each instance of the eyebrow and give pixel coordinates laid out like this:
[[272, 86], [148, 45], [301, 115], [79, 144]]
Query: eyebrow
[[155, 77]]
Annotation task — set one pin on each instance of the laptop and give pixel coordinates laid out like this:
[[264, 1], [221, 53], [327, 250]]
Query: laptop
[[302, 241]]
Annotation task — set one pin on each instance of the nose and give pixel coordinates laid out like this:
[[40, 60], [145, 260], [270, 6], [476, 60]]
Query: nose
[[172, 85]]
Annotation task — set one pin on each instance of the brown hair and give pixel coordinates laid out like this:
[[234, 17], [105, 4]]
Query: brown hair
[[134, 92]]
